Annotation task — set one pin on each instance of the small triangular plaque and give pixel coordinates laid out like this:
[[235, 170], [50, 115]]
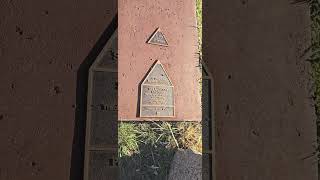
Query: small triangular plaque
[[158, 38]]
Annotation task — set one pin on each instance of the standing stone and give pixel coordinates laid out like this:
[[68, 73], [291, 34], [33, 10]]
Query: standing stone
[[165, 31]]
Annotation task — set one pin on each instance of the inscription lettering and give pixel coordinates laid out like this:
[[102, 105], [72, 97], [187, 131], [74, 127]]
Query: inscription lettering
[[157, 95]]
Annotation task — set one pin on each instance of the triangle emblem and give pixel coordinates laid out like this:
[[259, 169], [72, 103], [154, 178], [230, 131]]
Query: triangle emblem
[[158, 38]]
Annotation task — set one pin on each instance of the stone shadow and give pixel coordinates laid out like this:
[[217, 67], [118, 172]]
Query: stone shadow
[[208, 128], [78, 146]]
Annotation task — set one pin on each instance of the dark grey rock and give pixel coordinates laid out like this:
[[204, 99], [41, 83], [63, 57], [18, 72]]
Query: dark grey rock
[[186, 165]]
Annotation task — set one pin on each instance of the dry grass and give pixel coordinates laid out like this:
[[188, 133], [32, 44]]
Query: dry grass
[[146, 149], [172, 135], [190, 136]]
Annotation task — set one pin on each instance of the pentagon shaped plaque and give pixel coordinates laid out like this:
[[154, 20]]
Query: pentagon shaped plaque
[[156, 94], [158, 38]]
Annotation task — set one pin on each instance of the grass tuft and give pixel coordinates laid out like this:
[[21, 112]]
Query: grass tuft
[[315, 60], [190, 136], [172, 135], [127, 139]]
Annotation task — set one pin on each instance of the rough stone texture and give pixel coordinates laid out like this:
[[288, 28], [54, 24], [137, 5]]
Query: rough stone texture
[[103, 165], [186, 165], [266, 124], [42, 44], [138, 20], [102, 109]]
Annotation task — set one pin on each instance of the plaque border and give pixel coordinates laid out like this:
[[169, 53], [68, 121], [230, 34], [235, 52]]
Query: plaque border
[[142, 84]]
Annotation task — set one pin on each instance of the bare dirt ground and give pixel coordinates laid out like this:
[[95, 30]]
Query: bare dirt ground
[[264, 113], [42, 45]]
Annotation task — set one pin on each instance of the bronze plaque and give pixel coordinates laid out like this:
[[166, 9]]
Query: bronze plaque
[[157, 97], [158, 38]]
